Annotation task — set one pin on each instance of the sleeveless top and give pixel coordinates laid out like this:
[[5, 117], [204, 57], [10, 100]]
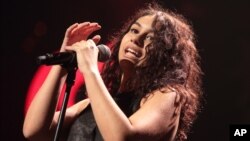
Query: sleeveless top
[[84, 128]]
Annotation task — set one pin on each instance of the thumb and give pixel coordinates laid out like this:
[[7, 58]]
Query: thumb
[[96, 39]]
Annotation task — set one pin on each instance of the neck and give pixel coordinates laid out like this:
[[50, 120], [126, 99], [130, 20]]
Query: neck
[[128, 69], [124, 80]]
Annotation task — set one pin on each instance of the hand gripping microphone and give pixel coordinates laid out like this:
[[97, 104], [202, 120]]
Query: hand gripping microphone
[[69, 58]]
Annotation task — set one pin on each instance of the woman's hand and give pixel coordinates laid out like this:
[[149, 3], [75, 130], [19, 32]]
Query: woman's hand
[[79, 32], [76, 39], [87, 54]]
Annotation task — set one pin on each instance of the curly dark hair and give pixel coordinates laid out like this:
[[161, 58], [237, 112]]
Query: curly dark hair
[[172, 61]]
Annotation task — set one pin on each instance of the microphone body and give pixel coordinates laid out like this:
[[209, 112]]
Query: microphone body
[[69, 58]]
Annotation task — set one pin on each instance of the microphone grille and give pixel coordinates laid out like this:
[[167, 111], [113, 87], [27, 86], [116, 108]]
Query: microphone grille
[[104, 53]]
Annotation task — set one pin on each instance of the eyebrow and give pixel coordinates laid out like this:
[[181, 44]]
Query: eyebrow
[[136, 23]]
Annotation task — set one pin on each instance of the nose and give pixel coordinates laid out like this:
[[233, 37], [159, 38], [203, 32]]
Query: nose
[[138, 40]]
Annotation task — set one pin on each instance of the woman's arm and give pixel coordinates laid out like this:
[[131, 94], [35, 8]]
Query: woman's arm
[[71, 113], [41, 112], [42, 108], [46, 132], [157, 117]]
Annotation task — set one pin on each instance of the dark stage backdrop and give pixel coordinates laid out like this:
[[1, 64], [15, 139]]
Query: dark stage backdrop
[[32, 28]]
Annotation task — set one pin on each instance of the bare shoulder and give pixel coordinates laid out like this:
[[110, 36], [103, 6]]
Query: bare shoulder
[[158, 115], [166, 100], [166, 97]]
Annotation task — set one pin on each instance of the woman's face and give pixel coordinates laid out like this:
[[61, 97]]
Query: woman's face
[[140, 35]]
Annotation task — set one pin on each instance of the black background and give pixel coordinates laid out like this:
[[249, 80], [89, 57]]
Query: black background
[[32, 28]]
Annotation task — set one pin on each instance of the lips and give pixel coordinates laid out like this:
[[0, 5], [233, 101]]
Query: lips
[[135, 52]]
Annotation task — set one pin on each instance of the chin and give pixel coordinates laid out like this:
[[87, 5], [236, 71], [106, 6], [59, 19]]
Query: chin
[[127, 63]]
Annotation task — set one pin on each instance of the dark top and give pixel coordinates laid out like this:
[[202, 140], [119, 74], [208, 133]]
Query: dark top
[[84, 128]]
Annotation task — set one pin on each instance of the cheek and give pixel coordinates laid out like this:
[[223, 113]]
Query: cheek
[[120, 49], [119, 54], [143, 58], [122, 45], [124, 39], [144, 53]]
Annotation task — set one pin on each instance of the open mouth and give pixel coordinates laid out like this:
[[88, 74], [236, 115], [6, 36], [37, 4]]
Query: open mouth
[[132, 51]]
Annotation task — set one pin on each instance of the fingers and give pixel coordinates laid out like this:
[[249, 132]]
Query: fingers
[[80, 26], [96, 39], [70, 29], [80, 32], [83, 30]]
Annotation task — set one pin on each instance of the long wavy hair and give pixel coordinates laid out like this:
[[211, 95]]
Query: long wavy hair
[[172, 60]]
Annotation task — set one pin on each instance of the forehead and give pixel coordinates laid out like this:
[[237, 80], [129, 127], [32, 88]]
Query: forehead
[[145, 21]]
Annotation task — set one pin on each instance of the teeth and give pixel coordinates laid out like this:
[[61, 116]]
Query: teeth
[[132, 51]]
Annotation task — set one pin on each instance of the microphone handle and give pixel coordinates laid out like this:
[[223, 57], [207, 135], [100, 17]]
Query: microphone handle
[[69, 58]]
